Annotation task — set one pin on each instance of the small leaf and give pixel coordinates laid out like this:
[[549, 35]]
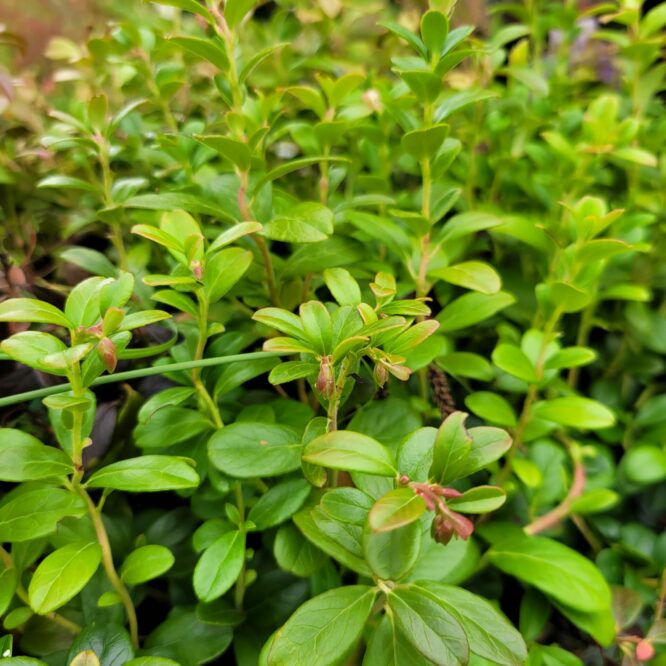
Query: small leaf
[[492, 407], [434, 31], [423, 144], [395, 509], [223, 270], [471, 309], [452, 447], [219, 566], [146, 563], [576, 412], [481, 499], [237, 152], [473, 275], [279, 503], [513, 360], [32, 310]]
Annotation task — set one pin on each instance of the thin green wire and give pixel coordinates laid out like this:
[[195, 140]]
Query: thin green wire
[[134, 374]]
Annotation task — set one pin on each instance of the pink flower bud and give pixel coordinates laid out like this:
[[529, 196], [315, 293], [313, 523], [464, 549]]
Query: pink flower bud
[[325, 383], [107, 352], [644, 651]]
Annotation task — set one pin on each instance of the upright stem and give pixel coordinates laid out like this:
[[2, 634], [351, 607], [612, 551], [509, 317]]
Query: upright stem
[[239, 591], [107, 183], [109, 568], [204, 395]]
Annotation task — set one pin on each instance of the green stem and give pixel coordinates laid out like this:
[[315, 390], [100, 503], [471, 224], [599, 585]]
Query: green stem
[[239, 591], [204, 395], [107, 183], [136, 374], [109, 568]]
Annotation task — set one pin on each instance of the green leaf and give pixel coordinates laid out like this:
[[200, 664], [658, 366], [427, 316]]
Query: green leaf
[[489, 633], [294, 165], [90, 260], [170, 425], [570, 357], [472, 308], [488, 445], [471, 274], [466, 364], [150, 473], [237, 152], [558, 571], [304, 223], [513, 360], [32, 310], [594, 501], [30, 348], [481, 499], [279, 503], [146, 563], [65, 182], [8, 585], [234, 233], [281, 320], [287, 372], [25, 458], [350, 451], [645, 464], [256, 59], [235, 11], [423, 144], [413, 40], [392, 554], [248, 450], [575, 412], [468, 223], [389, 647], [324, 630], [223, 270], [434, 31], [187, 640], [110, 643], [192, 6], [432, 630], [62, 575], [206, 49], [395, 509], [452, 448], [635, 156], [316, 322], [567, 297], [219, 566], [294, 553], [173, 200], [492, 407], [29, 513]]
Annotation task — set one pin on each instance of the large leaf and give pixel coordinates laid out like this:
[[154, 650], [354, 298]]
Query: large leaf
[[555, 569], [432, 629], [576, 412], [247, 450], [323, 630], [489, 633], [146, 474], [62, 575], [28, 514], [32, 310], [350, 451], [25, 458]]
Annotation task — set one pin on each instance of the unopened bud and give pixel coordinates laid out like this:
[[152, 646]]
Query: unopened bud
[[325, 379], [446, 526], [197, 269], [106, 350], [644, 651], [381, 374], [372, 100]]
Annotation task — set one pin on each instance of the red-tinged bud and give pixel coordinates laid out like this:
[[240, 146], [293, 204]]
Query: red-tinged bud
[[381, 374], [448, 493], [107, 352], [373, 100], [446, 526], [16, 276], [325, 383], [644, 651], [197, 269], [403, 480]]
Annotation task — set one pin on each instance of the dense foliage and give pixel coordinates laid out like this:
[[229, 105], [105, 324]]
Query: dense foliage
[[360, 313]]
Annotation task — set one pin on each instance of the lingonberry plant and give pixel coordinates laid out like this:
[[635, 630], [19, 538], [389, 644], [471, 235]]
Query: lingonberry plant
[[334, 334]]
